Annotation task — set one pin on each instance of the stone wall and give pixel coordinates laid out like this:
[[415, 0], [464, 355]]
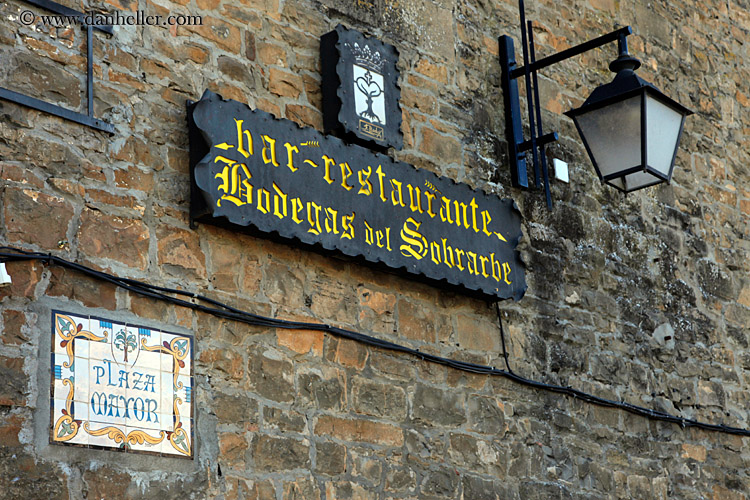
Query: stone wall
[[644, 298]]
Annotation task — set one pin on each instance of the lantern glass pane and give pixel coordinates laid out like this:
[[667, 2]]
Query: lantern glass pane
[[638, 180], [663, 129], [613, 135]]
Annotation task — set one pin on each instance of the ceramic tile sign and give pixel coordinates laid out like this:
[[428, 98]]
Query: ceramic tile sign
[[119, 386]]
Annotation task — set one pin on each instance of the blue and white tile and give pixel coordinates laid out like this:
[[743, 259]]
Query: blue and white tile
[[167, 392], [80, 411], [81, 374]]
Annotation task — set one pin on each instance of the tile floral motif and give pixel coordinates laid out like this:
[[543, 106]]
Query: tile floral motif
[[120, 386]]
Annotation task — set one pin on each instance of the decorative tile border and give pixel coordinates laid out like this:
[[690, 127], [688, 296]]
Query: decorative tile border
[[120, 386]]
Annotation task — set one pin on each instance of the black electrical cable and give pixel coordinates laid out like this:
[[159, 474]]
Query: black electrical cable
[[222, 310]]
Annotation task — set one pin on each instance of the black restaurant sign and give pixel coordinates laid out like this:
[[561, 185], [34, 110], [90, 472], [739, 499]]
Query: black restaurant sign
[[261, 174]]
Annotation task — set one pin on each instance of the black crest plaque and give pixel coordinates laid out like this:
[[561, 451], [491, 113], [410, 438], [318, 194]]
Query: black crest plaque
[[270, 177], [360, 89]]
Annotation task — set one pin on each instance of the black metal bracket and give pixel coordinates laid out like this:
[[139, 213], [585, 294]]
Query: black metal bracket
[[518, 146], [31, 102]]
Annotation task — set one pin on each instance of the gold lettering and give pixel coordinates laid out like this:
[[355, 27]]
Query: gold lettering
[[264, 195], [506, 269], [458, 213], [240, 143], [430, 197], [269, 145], [346, 172], [289, 150], [486, 219], [459, 253], [435, 252], [313, 209], [447, 254], [347, 227], [387, 236], [495, 269], [297, 207], [484, 260], [474, 206], [368, 234], [366, 188], [236, 189], [328, 163], [381, 176], [396, 186], [330, 222], [471, 257], [415, 207], [279, 200], [415, 244], [445, 211], [224, 174], [463, 212]]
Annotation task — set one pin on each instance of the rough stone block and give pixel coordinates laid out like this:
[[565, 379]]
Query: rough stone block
[[331, 459], [479, 334], [180, 252], [15, 385], [232, 448], [284, 420], [378, 399], [285, 84], [270, 377], [36, 218], [433, 406], [359, 430], [13, 328], [112, 237], [324, 391], [235, 409], [280, 454], [24, 276], [89, 291], [304, 488]]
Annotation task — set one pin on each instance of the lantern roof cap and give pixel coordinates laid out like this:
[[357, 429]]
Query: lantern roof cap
[[625, 84]]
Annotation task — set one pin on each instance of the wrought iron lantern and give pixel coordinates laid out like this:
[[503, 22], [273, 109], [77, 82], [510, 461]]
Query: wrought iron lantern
[[629, 128]]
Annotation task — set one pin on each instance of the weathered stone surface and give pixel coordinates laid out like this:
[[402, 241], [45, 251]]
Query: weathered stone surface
[[235, 409], [180, 252], [13, 332], [324, 392], [110, 237], [271, 377], [16, 386], [280, 454], [89, 291], [359, 430], [331, 458], [379, 400], [36, 218], [232, 448], [284, 421], [302, 489], [19, 477], [432, 406]]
